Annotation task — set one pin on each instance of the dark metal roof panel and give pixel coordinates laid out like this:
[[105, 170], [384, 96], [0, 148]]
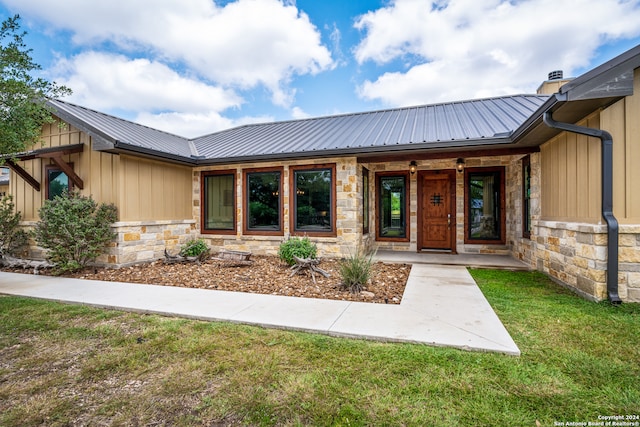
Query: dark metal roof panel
[[458, 121], [120, 130]]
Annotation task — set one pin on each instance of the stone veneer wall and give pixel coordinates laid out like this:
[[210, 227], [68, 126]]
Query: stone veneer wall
[[348, 183], [573, 254], [135, 242], [144, 241]]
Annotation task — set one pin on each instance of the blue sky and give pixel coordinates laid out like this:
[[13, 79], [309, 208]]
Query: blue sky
[[193, 67]]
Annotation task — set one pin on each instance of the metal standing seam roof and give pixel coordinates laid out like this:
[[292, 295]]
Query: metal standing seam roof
[[456, 123], [464, 121], [123, 131]]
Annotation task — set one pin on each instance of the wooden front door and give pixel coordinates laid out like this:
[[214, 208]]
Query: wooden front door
[[437, 218]]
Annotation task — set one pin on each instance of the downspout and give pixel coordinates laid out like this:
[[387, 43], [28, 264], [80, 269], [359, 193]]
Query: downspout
[[607, 197]]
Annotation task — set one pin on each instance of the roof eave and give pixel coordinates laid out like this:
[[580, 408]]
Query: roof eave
[[124, 148], [441, 146]]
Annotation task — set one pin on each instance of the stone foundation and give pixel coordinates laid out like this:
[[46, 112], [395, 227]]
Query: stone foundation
[[145, 241], [575, 255]]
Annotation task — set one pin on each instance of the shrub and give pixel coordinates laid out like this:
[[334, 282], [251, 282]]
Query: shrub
[[12, 238], [300, 247], [74, 229], [356, 269], [194, 247]]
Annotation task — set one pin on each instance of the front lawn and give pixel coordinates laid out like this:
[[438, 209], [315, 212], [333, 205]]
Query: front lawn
[[72, 365]]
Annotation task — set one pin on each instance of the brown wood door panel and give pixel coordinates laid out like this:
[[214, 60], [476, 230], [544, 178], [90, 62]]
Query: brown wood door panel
[[437, 216]]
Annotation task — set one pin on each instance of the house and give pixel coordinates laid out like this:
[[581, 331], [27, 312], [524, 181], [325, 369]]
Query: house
[[547, 178]]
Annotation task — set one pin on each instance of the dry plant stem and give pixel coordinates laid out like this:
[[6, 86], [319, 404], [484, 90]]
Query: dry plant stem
[[308, 263]]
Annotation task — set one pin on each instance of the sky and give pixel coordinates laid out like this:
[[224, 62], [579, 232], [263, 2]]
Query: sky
[[194, 67]]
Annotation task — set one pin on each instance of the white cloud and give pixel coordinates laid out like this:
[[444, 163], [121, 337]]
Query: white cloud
[[191, 125], [299, 113], [474, 48], [109, 81], [150, 93], [245, 44]]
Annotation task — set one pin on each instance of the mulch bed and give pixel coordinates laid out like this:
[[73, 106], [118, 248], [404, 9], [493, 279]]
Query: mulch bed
[[266, 275]]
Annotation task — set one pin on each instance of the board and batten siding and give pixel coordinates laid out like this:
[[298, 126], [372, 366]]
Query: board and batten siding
[[571, 167], [570, 176], [621, 120], [97, 170], [152, 190], [141, 189]]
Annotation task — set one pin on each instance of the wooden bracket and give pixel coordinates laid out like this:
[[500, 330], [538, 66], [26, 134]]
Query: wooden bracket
[[23, 174], [59, 161], [53, 153]]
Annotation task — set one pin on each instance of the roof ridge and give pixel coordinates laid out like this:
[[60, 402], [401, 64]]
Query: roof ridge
[[358, 113]]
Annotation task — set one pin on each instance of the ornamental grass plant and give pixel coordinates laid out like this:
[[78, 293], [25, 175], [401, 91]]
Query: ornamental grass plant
[[357, 269]]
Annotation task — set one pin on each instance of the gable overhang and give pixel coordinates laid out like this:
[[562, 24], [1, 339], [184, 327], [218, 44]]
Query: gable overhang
[[100, 140], [582, 96]]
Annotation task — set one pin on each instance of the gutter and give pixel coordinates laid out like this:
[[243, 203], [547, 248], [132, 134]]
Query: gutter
[[607, 197]]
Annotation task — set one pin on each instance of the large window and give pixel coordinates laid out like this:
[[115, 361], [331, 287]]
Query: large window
[[262, 201], [526, 197], [484, 201], [218, 202], [393, 206], [57, 182], [313, 196]]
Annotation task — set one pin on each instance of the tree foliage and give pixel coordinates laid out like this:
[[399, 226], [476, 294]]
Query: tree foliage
[[74, 229], [23, 96]]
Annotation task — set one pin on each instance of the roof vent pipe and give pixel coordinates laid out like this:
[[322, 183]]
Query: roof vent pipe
[[556, 75], [607, 197]]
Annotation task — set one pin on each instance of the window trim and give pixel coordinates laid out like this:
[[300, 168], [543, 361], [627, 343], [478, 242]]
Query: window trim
[[203, 203], [366, 197], [526, 200], [292, 200], [407, 183], [245, 202], [49, 168], [467, 223]]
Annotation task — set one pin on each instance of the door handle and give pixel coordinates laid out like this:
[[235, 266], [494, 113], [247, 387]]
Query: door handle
[[448, 220]]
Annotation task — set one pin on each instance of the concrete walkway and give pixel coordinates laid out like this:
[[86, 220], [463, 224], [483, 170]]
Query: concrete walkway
[[441, 306]]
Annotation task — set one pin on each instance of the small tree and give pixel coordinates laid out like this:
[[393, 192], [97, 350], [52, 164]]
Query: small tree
[[75, 230], [23, 97], [12, 238]]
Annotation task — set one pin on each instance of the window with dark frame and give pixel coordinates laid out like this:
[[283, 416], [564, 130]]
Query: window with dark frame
[[365, 201], [484, 201], [392, 207], [263, 201], [57, 182], [313, 197], [526, 197], [218, 202]]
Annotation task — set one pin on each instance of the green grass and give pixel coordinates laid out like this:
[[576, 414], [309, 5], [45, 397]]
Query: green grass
[[72, 365]]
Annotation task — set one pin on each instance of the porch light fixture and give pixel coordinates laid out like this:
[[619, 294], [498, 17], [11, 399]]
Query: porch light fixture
[[413, 167], [460, 164]]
